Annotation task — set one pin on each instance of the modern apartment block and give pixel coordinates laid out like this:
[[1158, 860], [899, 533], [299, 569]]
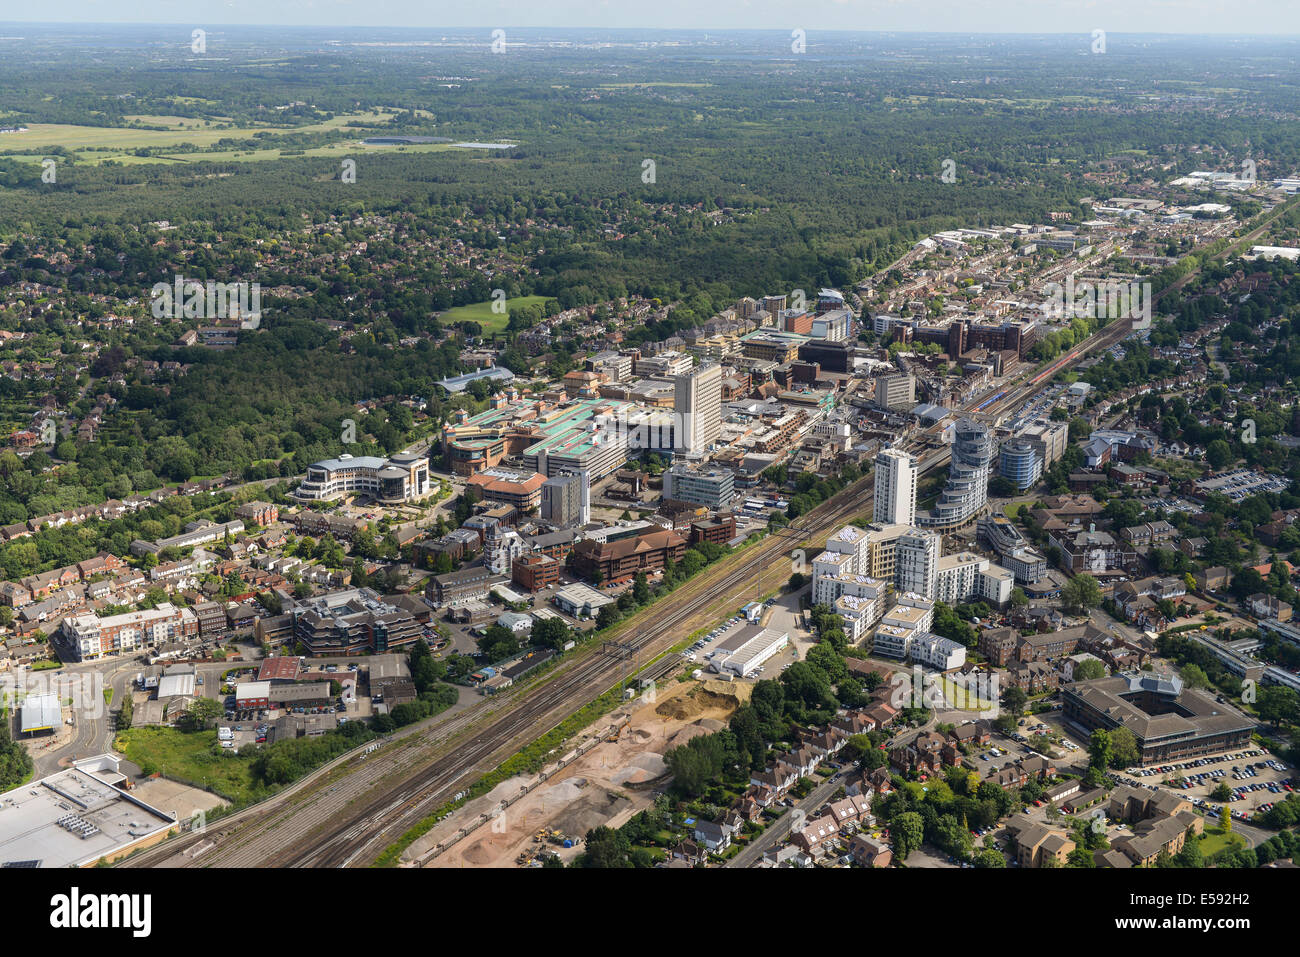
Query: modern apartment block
[[1019, 461], [968, 577], [88, 636], [1015, 554], [895, 501], [904, 633], [854, 553], [861, 604], [917, 562], [941, 654], [966, 491]]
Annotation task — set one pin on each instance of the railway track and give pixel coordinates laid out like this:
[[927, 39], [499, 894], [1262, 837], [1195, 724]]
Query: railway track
[[594, 675], [365, 802], [423, 767]]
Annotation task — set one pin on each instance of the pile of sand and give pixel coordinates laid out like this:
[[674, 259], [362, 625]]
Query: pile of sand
[[644, 767], [685, 734], [593, 809], [479, 854], [694, 701], [568, 790]]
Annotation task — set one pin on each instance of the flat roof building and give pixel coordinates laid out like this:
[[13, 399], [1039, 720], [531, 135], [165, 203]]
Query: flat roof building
[[581, 601], [41, 712], [710, 486], [177, 681], [748, 656], [253, 694], [523, 490], [76, 818], [354, 621]]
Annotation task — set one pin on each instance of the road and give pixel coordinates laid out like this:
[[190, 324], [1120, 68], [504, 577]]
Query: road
[[347, 816], [373, 800], [779, 830], [92, 730]]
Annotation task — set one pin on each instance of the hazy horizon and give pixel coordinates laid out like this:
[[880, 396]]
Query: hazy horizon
[[1237, 18]]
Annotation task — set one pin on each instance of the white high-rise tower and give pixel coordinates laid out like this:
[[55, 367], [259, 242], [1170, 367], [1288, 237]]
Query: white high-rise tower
[[895, 488], [697, 400]]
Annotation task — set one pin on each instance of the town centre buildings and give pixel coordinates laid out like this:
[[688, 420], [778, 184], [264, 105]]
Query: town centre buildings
[[594, 436]]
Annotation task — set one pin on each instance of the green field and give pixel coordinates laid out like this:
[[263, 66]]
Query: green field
[[481, 312], [173, 122], [1214, 840], [954, 694], [192, 758], [95, 144]]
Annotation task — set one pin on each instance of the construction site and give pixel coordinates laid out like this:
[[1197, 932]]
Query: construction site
[[613, 771]]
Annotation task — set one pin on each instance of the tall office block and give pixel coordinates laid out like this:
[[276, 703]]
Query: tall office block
[[697, 400], [566, 499], [896, 392]]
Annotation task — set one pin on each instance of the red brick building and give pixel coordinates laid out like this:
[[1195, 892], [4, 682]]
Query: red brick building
[[612, 561], [719, 530], [535, 572]]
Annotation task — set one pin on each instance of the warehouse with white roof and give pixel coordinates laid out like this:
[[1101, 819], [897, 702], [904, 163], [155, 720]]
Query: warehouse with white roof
[[746, 650]]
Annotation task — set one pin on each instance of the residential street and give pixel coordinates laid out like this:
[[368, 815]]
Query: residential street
[[780, 829]]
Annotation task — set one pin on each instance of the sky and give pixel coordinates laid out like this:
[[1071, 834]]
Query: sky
[[1258, 17]]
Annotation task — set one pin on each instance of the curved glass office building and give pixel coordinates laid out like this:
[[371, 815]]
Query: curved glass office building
[[1018, 461]]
